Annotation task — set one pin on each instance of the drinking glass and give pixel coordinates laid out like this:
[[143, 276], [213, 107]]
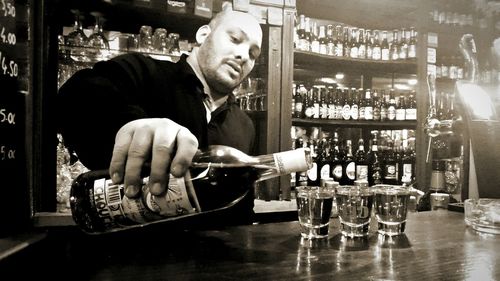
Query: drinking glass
[[98, 43], [354, 205], [76, 40], [391, 208], [146, 39], [314, 205]]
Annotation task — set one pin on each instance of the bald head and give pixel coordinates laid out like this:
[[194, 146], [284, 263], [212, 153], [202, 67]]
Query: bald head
[[229, 50]]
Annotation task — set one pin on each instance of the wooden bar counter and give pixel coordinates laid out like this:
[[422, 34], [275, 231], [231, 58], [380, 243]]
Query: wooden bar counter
[[436, 246]]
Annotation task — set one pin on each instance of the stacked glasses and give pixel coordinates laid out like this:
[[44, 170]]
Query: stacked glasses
[[355, 204]]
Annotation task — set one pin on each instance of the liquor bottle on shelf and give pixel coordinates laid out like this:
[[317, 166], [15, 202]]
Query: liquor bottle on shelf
[[339, 105], [348, 166], [361, 162], [303, 40], [312, 172], [346, 52], [384, 47], [394, 49], [99, 206], [323, 161], [354, 43], [323, 40], [336, 159], [308, 105], [299, 102], [401, 109], [314, 38], [384, 104], [403, 45], [330, 44], [315, 102], [361, 104], [323, 103], [411, 107], [331, 103], [346, 108], [376, 49], [369, 106], [307, 27], [390, 164], [376, 106], [374, 163], [391, 107], [412, 44], [361, 44], [407, 165], [369, 44], [354, 104], [339, 42]]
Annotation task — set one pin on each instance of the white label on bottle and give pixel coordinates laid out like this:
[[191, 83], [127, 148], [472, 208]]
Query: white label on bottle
[[361, 172], [312, 173], [290, 161], [337, 171], [331, 111], [411, 114], [354, 112], [346, 112], [400, 114], [325, 172], [351, 170], [407, 171], [391, 172]]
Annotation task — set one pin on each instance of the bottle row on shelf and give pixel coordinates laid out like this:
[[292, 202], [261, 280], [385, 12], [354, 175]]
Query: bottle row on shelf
[[388, 157], [327, 102], [354, 42]]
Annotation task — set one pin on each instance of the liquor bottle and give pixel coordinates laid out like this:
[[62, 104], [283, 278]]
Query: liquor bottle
[[314, 39], [441, 109], [336, 169], [437, 185], [303, 41], [354, 104], [330, 44], [345, 42], [374, 163], [376, 49], [323, 103], [394, 49], [412, 44], [294, 94], [376, 106], [323, 161], [390, 164], [354, 43], [99, 206], [361, 162], [346, 108], [339, 43], [361, 44], [308, 105], [407, 165], [331, 103], [403, 45], [401, 109], [369, 44], [323, 40], [384, 106], [348, 166], [361, 104], [411, 107], [369, 106], [307, 42], [299, 102], [315, 101], [391, 107], [312, 172], [339, 105], [384, 47]]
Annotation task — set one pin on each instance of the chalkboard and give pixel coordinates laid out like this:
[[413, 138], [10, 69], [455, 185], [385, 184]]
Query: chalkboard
[[15, 61]]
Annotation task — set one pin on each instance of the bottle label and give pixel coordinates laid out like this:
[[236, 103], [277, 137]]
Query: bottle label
[[361, 172], [411, 114], [391, 113], [312, 174], [369, 113], [400, 114], [331, 111], [351, 171], [354, 112], [117, 209], [377, 53], [290, 161], [324, 111], [337, 172], [325, 172], [391, 172], [407, 171], [346, 112]]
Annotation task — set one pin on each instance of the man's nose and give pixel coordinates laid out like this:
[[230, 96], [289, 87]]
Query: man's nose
[[242, 52]]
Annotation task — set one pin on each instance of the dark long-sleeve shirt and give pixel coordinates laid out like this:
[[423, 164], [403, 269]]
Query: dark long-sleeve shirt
[[95, 103]]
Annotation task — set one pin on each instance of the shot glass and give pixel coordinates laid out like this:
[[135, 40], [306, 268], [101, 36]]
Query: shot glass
[[354, 205], [391, 208], [314, 206], [439, 201]]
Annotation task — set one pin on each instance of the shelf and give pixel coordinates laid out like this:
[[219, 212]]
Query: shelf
[[319, 62], [407, 124]]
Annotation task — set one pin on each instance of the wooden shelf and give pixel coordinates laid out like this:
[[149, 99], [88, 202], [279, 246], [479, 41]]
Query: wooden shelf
[[407, 124], [319, 62]]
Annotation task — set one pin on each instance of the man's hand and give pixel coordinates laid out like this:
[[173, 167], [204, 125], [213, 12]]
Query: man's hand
[[163, 141]]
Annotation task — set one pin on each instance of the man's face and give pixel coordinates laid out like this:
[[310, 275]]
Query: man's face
[[229, 52]]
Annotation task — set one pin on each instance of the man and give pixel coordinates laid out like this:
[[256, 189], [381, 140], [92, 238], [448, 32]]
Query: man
[[133, 109]]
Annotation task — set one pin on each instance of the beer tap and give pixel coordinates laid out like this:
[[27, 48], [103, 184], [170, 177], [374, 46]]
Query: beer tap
[[431, 122]]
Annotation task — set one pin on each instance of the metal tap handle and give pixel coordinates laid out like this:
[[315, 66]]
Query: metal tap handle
[[468, 49], [431, 83]]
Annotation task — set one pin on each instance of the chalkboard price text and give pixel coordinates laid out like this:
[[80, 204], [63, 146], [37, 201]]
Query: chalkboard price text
[[9, 67], [7, 37], [8, 9], [7, 153]]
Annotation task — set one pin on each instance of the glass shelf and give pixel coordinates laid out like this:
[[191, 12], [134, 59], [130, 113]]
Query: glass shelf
[[406, 124]]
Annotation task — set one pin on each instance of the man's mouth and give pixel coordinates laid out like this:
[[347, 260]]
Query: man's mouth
[[235, 66]]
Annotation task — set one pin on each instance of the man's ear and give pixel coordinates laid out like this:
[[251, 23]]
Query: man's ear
[[202, 33]]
